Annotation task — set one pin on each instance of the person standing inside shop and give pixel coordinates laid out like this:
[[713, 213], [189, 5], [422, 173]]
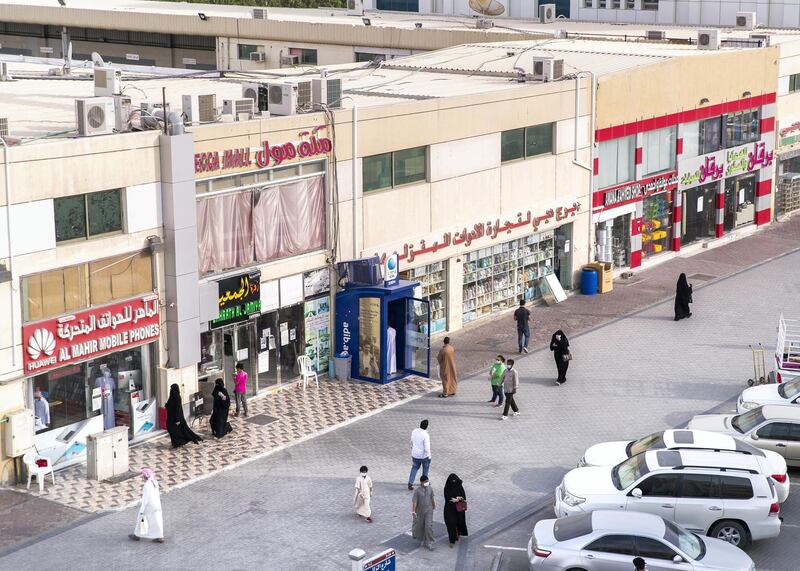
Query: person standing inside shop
[[240, 388], [683, 297], [363, 498], [179, 431], [523, 317], [106, 385], [447, 369], [41, 409], [149, 520], [510, 385], [496, 379], [219, 414], [559, 345]]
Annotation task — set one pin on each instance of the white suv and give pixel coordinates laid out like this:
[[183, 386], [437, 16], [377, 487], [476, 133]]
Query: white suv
[[717, 494]]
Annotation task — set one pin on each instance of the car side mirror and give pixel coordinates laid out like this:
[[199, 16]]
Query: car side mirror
[[754, 436], [677, 559], [636, 493]]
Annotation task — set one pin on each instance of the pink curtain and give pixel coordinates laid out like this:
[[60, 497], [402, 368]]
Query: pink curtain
[[239, 229]]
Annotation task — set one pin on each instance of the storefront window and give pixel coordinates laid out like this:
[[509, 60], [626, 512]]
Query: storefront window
[[497, 278], [616, 160], [740, 196], [710, 135], [656, 223], [433, 282], [621, 241], [742, 128], [658, 150]]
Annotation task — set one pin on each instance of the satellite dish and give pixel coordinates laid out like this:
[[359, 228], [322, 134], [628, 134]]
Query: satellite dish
[[487, 7], [98, 60]]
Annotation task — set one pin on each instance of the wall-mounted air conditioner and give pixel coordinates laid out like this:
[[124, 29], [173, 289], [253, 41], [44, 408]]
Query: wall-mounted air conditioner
[[303, 94], [547, 13], [282, 98], [290, 60], [107, 81], [708, 39], [258, 56], [547, 68], [355, 8], [95, 116], [745, 20], [241, 109], [326, 91]]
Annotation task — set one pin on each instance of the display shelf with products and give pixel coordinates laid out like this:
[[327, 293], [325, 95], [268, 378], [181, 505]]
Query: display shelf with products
[[657, 213], [496, 278], [433, 285]]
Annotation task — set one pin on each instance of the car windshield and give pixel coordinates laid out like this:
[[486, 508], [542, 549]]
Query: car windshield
[[790, 389], [655, 440], [626, 473], [686, 541], [746, 422]]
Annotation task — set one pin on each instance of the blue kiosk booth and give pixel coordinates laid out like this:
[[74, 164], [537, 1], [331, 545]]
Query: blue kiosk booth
[[383, 327]]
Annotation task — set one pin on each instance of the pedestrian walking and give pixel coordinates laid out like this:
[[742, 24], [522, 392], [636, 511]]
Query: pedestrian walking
[[420, 453], [447, 369], [178, 429], [221, 407], [559, 345], [422, 505], [455, 509], [523, 317], [683, 297], [496, 379], [510, 384], [361, 502], [149, 521], [240, 388], [639, 564]]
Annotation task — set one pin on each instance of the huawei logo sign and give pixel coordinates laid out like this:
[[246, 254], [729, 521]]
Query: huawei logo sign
[[41, 342]]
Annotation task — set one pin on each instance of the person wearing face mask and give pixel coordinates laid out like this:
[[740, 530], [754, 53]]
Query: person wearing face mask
[[361, 503], [510, 384], [106, 385], [496, 379], [559, 345], [422, 506]]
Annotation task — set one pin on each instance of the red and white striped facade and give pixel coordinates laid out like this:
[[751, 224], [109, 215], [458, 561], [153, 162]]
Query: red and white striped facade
[[764, 175]]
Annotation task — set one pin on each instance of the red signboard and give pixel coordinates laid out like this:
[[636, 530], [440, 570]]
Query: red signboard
[[52, 343], [634, 191]]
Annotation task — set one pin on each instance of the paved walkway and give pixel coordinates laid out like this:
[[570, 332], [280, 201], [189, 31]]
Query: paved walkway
[[291, 510]]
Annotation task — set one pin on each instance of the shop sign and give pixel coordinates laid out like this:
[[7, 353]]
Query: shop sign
[[310, 145], [634, 191], [478, 233], [790, 135], [384, 561], [79, 336], [239, 298], [727, 162], [391, 271]]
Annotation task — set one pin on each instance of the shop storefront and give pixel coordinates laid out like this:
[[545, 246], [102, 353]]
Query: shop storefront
[[787, 188], [698, 218], [433, 283], [92, 370]]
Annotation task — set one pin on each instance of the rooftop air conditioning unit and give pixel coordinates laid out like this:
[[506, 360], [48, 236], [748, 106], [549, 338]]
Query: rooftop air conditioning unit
[[763, 38], [95, 116], [258, 56], [303, 94], [708, 39], [745, 20], [251, 91], [259, 13], [3, 126], [656, 35], [122, 113], [547, 13], [355, 8], [547, 69], [241, 109], [199, 108], [282, 98], [326, 91], [107, 81], [290, 60]]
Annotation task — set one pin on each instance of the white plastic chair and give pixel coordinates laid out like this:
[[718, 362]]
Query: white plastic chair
[[34, 469], [306, 370]]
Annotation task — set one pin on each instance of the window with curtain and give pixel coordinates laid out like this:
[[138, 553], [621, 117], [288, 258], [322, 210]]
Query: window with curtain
[[658, 150], [615, 159], [260, 225]]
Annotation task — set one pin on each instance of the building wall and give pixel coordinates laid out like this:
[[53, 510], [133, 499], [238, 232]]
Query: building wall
[[788, 103], [228, 49]]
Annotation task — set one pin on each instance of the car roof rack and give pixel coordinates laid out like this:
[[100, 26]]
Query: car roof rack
[[720, 468]]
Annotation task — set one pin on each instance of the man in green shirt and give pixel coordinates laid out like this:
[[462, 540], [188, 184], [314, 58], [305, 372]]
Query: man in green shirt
[[496, 378]]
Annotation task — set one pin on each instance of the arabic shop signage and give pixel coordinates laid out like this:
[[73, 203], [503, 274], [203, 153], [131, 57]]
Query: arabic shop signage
[[239, 298], [478, 233], [384, 561], [727, 162], [634, 191], [79, 336], [790, 135], [310, 145]]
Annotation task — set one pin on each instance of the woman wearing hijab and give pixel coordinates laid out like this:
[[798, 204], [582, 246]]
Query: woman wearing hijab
[[559, 345], [179, 431], [219, 414], [149, 521], [455, 507], [361, 502], [683, 297]]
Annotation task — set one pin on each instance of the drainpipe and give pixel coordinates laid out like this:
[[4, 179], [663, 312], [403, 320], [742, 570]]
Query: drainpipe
[[591, 145], [354, 153], [7, 169]]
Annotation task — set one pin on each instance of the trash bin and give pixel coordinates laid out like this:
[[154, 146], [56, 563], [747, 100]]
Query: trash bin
[[588, 281], [605, 276], [343, 362]]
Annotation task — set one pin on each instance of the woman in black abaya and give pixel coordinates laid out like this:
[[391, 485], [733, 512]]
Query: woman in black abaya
[[683, 297], [455, 507], [219, 415], [179, 431]]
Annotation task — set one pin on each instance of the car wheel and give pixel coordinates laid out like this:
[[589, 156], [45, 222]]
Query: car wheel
[[731, 531]]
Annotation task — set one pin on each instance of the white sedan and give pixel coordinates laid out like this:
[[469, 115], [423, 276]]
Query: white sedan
[[754, 397]]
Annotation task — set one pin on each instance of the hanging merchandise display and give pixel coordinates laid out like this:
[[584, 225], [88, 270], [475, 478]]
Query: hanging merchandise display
[[433, 282], [657, 213]]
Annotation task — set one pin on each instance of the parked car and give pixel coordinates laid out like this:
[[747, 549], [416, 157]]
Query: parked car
[[769, 427], [607, 540], [754, 397], [612, 453], [720, 495]]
